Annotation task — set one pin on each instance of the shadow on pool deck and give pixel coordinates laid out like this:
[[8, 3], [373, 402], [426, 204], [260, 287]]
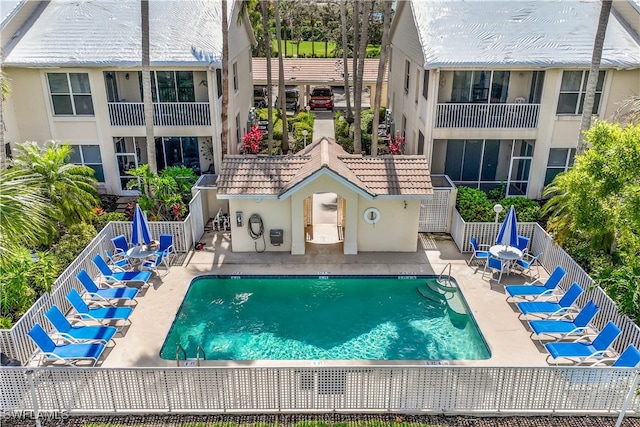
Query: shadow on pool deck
[[506, 335]]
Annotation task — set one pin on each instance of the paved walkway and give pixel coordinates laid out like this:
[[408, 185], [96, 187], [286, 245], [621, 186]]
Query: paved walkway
[[323, 125]]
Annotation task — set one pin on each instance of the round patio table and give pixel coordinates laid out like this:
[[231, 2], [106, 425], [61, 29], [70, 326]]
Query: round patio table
[[508, 253], [139, 254]]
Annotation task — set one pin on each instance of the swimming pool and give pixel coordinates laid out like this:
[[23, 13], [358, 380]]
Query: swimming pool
[[325, 318]]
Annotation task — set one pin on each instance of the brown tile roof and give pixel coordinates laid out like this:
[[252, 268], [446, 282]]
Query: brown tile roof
[[378, 177], [311, 70]]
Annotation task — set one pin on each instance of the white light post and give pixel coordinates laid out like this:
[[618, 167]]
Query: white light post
[[497, 208], [308, 109], [305, 133]]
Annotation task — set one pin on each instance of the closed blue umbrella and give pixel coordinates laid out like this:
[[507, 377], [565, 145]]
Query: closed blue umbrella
[[508, 234], [140, 233]]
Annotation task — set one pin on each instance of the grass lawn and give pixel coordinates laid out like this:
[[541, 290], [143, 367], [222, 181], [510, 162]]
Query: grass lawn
[[307, 47]]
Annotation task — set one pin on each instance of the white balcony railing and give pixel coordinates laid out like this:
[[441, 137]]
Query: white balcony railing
[[164, 114], [462, 115]]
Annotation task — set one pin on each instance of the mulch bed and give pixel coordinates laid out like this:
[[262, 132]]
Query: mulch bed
[[284, 420]]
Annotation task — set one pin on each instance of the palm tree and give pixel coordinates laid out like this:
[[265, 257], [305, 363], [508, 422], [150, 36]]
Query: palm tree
[[224, 114], [381, 67], [345, 57], [354, 53], [357, 96], [592, 80], [281, 91], [264, 4], [146, 88], [25, 214], [69, 188]]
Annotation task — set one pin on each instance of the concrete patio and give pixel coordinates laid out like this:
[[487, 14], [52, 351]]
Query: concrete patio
[[506, 335]]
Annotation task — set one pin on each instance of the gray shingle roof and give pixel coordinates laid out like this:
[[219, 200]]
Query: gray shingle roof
[[384, 177]]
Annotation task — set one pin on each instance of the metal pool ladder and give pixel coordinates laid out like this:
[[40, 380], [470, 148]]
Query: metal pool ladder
[[189, 361], [441, 278]]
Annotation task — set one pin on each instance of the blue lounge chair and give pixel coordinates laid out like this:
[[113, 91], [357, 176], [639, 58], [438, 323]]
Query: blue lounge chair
[[105, 294], [478, 251], [121, 278], [583, 351], [565, 327], [549, 308], [97, 314], [536, 291], [79, 333], [67, 353], [629, 358]]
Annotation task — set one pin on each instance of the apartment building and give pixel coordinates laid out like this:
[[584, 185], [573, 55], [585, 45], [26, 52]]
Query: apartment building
[[491, 92], [75, 75]]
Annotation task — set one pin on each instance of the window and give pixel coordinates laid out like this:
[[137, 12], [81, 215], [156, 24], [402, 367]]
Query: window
[[235, 76], [420, 143], [88, 155], [417, 85], [425, 84], [238, 133], [404, 126], [178, 151], [70, 94], [560, 160], [573, 90], [480, 86], [219, 81], [407, 76], [171, 86]]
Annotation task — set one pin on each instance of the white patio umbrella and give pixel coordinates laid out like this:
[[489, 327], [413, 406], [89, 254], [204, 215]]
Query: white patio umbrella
[[140, 233], [508, 234]]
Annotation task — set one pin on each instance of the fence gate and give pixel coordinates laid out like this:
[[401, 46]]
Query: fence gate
[[434, 213]]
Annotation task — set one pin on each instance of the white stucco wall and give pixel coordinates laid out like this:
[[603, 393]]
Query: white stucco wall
[[396, 231], [275, 214]]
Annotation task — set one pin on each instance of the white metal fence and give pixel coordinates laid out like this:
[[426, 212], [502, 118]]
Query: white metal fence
[[425, 389], [552, 256]]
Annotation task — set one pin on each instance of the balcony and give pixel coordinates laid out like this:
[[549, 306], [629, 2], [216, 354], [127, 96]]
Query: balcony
[[164, 114], [511, 116]]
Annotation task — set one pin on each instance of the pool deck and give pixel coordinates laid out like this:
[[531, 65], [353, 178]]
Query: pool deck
[[507, 336]]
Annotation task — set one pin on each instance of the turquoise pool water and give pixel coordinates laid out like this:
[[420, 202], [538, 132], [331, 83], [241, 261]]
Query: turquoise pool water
[[323, 318]]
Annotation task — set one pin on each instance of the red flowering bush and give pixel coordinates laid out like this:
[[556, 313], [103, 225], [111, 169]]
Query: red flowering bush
[[396, 146], [251, 141]]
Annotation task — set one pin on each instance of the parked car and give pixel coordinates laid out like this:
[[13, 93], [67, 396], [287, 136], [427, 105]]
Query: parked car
[[291, 96], [259, 97], [321, 97]]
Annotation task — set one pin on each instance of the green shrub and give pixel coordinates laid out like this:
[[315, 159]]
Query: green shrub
[[71, 244], [527, 210], [474, 206], [299, 138], [17, 295], [99, 222]]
